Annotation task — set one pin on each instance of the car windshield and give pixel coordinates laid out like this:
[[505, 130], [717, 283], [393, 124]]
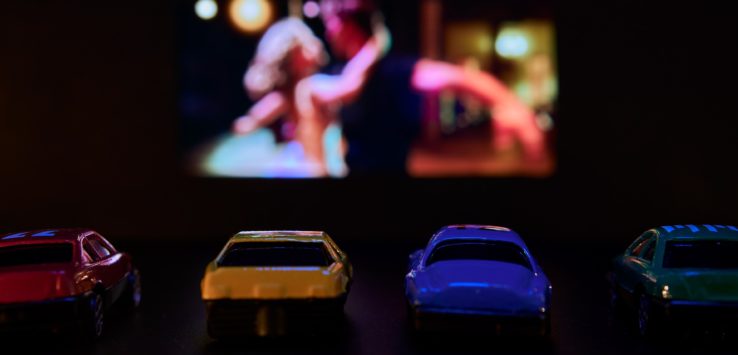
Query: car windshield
[[702, 254], [35, 254], [479, 250], [275, 254]]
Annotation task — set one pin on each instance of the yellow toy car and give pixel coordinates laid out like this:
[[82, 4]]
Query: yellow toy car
[[275, 283]]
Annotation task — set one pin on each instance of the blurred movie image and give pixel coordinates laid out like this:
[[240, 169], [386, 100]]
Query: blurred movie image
[[337, 88]]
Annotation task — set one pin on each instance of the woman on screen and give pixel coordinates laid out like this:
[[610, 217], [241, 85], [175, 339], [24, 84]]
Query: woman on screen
[[287, 53], [282, 77]]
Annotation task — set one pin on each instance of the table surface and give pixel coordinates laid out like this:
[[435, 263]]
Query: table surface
[[171, 319]]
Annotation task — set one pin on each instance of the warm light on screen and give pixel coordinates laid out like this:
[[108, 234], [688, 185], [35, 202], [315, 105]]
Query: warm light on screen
[[206, 9], [484, 44], [250, 15]]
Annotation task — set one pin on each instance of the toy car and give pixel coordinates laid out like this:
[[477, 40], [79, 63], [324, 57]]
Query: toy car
[[473, 278], [275, 283], [63, 279], [684, 274]]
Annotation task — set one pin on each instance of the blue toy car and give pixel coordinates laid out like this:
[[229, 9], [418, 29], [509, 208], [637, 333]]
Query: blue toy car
[[473, 278]]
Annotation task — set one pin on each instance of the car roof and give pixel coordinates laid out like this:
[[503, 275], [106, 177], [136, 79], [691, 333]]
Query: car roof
[[279, 236], [475, 231], [43, 235], [698, 231]]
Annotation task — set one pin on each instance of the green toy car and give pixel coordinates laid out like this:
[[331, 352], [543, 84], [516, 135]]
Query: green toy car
[[681, 274]]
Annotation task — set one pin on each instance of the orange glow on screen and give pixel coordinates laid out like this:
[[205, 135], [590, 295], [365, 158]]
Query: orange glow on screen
[[250, 16]]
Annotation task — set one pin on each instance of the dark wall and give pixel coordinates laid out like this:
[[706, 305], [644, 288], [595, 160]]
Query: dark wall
[[652, 126], [88, 133]]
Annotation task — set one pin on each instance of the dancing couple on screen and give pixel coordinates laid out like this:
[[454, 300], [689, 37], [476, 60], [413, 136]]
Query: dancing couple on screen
[[375, 97]]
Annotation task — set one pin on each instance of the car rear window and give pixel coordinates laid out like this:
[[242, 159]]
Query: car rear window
[[479, 250], [701, 254], [35, 254], [275, 254]]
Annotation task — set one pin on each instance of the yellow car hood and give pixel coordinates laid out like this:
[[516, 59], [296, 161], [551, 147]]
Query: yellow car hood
[[273, 283]]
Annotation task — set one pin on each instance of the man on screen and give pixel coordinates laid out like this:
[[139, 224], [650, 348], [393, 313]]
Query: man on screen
[[381, 110]]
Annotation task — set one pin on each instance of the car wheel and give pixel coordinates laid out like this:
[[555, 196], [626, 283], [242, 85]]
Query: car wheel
[[96, 317], [132, 296], [616, 302], [546, 331], [645, 316], [210, 322], [613, 296], [413, 323]]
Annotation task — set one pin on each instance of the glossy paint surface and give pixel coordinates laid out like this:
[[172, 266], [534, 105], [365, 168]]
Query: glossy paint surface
[[49, 281], [484, 287], [640, 270], [278, 282]]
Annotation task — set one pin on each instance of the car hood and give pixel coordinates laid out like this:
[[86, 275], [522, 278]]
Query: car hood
[[482, 285], [36, 283], [704, 285]]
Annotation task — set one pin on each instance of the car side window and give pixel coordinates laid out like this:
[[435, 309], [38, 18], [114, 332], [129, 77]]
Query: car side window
[[101, 250], [641, 246], [632, 246], [105, 243], [86, 258], [89, 251], [331, 249], [636, 248], [649, 250]]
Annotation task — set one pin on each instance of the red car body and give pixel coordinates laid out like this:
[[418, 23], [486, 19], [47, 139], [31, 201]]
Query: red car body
[[62, 277]]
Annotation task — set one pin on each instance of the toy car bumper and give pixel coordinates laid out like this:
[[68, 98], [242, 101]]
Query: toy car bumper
[[479, 322], [697, 313], [54, 315], [265, 318]]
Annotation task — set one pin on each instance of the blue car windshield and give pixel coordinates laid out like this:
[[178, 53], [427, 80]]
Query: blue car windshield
[[479, 250], [276, 254], [701, 254]]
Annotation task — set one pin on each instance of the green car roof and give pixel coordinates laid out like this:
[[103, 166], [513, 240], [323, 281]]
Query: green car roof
[[698, 231]]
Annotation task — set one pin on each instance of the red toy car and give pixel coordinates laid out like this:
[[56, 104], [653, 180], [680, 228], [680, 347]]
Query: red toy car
[[63, 279]]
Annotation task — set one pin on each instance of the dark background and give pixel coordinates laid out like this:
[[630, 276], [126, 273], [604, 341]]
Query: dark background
[[89, 134]]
